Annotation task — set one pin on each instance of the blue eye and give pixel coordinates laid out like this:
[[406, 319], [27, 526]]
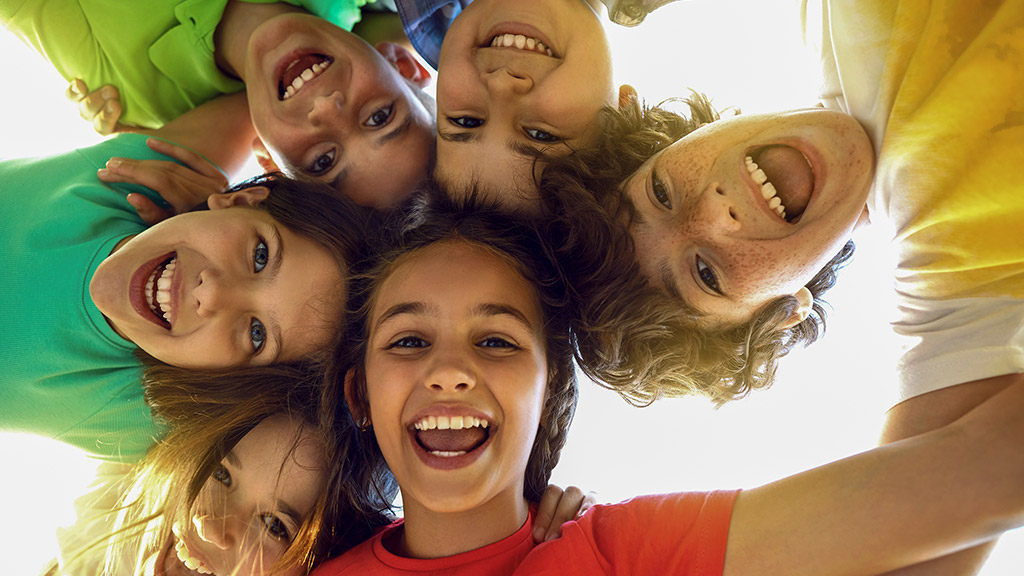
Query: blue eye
[[466, 121], [380, 117], [541, 136], [322, 163], [707, 276], [275, 527], [257, 335], [221, 474], [496, 342], [260, 256], [408, 342]]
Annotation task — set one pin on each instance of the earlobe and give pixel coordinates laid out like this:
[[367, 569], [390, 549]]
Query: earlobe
[[805, 303], [406, 64], [259, 150], [354, 396], [245, 197]]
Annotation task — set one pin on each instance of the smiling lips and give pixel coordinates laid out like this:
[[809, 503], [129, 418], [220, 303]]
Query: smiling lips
[[521, 42], [300, 71], [451, 436], [785, 178], [157, 290]]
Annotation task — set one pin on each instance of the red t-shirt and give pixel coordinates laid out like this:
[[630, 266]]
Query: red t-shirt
[[682, 533]]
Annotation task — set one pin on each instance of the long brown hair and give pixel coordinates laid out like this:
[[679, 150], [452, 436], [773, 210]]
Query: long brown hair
[[434, 217]]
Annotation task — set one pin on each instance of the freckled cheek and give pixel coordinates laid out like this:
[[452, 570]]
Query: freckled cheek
[[760, 274]]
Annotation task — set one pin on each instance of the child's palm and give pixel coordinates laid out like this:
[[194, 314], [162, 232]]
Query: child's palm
[[101, 107]]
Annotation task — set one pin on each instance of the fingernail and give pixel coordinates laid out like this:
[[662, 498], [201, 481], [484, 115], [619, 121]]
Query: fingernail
[[550, 537], [103, 173], [114, 163]]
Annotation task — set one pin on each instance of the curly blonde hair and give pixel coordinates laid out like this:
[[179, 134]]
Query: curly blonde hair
[[629, 337]]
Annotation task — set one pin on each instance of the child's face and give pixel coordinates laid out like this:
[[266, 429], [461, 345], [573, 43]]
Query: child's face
[[251, 508], [456, 336], [230, 286], [703, 228], [355, 124], [494, 101]]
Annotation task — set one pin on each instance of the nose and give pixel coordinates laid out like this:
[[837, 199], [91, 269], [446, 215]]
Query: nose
[[716, 213], [451, 371], [505, 82], [216, 294], [327, 108], [218, 531]]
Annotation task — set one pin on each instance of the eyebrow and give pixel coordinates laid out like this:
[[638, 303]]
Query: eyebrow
[[396, 132], [232, 458], [458, 136], [403, 308], [289, 511], [668, 280], [275, 268], [503, 310]]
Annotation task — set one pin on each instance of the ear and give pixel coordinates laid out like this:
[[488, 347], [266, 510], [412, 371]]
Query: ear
[[406, 64], [354, 396], [805, 301], [627, 94], [245, 197], [259, 150]]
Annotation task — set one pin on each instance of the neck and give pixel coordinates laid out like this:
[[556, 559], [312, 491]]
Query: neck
[[240, 20], [430, 534]]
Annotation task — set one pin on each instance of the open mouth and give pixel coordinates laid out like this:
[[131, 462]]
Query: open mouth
[[785, 177], [521, 42], [451, 436], [157, 291], [191, 562], [299, 71]]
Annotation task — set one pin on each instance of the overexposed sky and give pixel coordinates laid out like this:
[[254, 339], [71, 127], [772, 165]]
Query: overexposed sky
[[828, 402]]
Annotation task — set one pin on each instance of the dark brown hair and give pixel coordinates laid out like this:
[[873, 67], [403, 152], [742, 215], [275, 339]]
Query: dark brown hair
[[433, 217], [629, 336]]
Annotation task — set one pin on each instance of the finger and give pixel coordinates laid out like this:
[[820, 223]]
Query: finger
[[181, 187], [568, 509], [147, 209], [91, 104], [589, 500], [546, 512], [190, 158], [76, 90], [106, 121]]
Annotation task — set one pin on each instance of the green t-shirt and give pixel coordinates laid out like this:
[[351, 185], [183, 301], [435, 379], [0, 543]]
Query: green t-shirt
[[66, 374], [158, 53]]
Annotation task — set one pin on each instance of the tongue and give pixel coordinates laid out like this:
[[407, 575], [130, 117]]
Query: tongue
[[788, 171], [463, 440], [296, 68]]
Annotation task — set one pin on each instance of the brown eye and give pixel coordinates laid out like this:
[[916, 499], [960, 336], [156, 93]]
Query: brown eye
[[707, 276]]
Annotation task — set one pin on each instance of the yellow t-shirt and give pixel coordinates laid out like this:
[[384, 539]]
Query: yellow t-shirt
[[939, 87]]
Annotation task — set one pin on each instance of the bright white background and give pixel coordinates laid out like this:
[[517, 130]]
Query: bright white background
[[828, 402]]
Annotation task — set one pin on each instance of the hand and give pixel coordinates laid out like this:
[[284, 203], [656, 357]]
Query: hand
[[557, 507], [100, 107], [183, 187]]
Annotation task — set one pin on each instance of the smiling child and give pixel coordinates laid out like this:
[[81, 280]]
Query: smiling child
[[463, 378], [326, 105], [258, 278], [518, 82]]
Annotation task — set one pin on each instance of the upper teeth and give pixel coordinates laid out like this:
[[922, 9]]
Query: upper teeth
[[450, 423], [520, 41], [307, 75], [190, 561], [161, 302], [768, 191]]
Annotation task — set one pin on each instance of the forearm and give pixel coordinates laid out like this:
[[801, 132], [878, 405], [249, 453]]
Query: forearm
[[895, 506], [221, 130]]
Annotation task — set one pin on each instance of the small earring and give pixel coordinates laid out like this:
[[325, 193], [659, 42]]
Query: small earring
[[364, 424]]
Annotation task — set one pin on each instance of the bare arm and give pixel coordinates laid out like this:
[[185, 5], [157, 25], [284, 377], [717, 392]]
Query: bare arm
[[895, 506], [928, 412]]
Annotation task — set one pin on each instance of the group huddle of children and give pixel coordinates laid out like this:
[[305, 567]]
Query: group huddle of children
[[402, 301]]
